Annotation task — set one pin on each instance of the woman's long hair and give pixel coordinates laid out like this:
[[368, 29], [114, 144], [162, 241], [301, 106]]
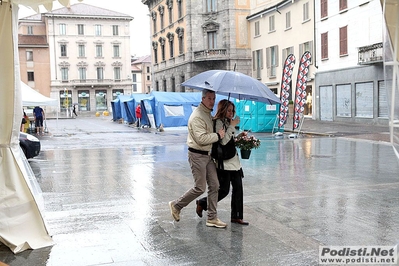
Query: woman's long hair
[[222, 109]]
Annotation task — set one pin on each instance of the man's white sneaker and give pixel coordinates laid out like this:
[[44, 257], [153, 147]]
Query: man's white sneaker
[[216, 223], [175, 213]]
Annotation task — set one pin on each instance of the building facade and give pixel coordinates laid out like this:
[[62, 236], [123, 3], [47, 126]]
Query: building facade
[[278, 29], [34, 55], [141, 74], [350, 77], [89, 56], [189, 37]]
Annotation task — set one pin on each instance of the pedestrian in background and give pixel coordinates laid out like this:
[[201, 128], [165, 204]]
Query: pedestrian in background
[[74, 110], [230, 170], [199, 141], [38, 114], [138, 114]]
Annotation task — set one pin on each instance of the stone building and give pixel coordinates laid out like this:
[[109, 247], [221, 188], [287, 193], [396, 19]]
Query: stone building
[[189, 37]]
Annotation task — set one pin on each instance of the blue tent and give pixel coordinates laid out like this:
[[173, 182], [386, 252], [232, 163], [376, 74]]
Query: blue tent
[[257, 116], [172, 109], [116, 109], [138, 97], [126, 104]]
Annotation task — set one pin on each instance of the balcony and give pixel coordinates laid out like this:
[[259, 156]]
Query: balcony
[[91, 82], [211, 54], [370, 54]]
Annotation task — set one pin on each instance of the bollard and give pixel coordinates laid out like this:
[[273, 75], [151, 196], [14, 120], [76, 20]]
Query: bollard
[[105, 113], [97, 114]]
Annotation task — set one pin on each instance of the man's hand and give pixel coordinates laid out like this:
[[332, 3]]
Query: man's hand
[[221, 132]]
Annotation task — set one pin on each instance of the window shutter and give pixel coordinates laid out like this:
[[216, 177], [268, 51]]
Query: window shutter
[[343, 41], [253, 60]]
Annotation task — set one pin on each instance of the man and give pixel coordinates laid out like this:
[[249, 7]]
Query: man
[[199, 141], [38, 114]]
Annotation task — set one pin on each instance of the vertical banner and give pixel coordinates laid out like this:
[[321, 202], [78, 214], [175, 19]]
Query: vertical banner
[[285, 89], [300, 91]]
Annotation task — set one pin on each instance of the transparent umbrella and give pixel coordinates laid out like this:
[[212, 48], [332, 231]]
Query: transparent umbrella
[[233, 84]]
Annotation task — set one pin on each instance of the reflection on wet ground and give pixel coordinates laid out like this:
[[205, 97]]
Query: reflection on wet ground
[[106, 198]]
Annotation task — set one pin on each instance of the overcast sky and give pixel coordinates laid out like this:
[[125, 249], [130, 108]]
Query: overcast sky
[[139, 27]]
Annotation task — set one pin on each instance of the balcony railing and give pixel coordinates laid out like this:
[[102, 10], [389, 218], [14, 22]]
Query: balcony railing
[[101, 82], [211, 54], [370, 54]]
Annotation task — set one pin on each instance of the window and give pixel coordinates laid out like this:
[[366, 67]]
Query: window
[[182, 79], [115, 30], [257, 28], [306, 46], [100, 73], [30, 30], [116, 50], [173, 81], [288, 20], [97, 30], [258, 62], [286, 52], [306, 11], [99, 50], [343, 5], [62, 29], [148, 77], [29, 55], [64, 74], [163, 51], [155, 51], [170, 5], [148, 69], [271, 24], [134, 87], [31, 76], [117, 73], [81, 49], [180, 37], [324, 45], [272, 60], [323, 8], [161, 15], [154, 21], [179, 8], [164, 85], [210, 5], [81, 29], [212, 40], [171, 44], [63, 50], [82, 74], [134, 77], [343, 40]]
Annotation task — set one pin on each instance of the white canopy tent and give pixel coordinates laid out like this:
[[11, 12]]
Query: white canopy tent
[[30, 97], [21, 222]]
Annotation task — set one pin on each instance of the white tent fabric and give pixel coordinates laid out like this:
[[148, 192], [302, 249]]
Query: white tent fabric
[[30, 97], [21, 222]]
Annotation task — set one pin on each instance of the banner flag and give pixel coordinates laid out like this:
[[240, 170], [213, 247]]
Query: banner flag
[[285, 89], [300, 91]]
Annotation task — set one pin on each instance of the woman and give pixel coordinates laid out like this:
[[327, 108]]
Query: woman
[[231, 171]]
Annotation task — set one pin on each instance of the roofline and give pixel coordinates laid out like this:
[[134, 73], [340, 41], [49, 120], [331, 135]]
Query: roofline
[[271, 9], [33, 45], [88, 16]]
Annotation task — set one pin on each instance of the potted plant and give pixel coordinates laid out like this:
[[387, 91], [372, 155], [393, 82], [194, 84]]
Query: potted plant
[[246, 143]]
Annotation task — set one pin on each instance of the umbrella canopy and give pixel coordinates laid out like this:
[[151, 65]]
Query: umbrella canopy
[[233, 84]]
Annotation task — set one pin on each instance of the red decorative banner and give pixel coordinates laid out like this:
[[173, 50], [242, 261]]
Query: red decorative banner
[[285, 89], [300, 91]]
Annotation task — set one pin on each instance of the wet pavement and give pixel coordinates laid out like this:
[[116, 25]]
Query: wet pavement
[[106, 188]]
